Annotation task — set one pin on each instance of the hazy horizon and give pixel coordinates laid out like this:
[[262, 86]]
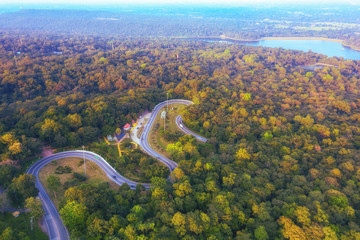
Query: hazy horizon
[[82, 3]]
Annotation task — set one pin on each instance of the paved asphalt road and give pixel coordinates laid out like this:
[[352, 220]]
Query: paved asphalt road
[[180, 124], [55, 226], [144, 136]]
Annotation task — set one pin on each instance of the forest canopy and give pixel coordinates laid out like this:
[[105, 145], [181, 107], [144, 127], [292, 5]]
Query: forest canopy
[[282, 159]]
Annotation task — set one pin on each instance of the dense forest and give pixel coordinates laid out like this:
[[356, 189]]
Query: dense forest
[[282, 160]]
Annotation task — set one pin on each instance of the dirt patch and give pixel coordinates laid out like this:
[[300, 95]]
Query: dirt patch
[[10, 162], [47, 151]]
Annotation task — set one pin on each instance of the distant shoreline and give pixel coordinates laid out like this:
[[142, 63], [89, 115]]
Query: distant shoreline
[[302, 38], [312, 38], [219, 38], [222, 37]]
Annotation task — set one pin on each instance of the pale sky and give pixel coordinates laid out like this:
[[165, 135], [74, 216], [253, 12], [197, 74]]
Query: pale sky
[[205, 2]]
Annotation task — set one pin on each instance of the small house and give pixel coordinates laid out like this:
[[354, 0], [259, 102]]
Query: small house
[[127, 126]]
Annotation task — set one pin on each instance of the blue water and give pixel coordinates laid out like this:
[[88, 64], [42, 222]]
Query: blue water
[[328, 48]]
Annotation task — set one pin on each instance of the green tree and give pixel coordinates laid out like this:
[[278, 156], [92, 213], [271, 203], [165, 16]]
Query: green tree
[[60, 141], [243, 154], [158, 182], [268, 136], [340, 201], [35, 206], [246, 97], [98, 228], [50, 128], [74, 215], [136, 214], [7, 173], [8, 234], [8, 138], [15, 148], [197, 222], [53, 183], [179, 222], [303, 215], [260, 233], [88, 134], [21, 188], [74, 121]]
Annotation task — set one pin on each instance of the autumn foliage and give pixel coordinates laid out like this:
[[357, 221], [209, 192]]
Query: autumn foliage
[[282, 156]]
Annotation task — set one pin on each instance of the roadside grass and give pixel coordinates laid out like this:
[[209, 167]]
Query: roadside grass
[[21, 224], [94, 174], [158, 142]]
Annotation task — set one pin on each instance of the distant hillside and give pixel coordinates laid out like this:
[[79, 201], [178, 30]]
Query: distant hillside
[[106, 23], [243, 23]]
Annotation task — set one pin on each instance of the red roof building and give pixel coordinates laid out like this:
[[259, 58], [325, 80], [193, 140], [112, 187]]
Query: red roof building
[[127, 126]]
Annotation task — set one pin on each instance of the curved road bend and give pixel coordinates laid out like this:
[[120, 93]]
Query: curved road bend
[[144, 136], [55, 226], [179, 123]]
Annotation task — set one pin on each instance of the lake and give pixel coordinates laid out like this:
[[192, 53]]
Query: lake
[[328, 48]]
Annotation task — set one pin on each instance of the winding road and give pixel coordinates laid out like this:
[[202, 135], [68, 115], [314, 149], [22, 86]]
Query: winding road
[[55, 226], [145, 134], [179, 123]]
